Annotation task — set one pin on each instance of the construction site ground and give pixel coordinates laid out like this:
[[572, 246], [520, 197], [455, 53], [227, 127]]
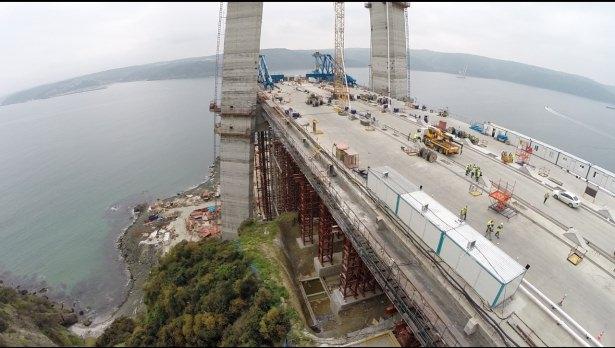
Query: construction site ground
[[535, 236], [349, 324]]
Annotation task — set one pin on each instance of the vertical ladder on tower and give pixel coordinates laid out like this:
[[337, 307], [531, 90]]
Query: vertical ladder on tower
[[219, 56], [214, 106], [407, 53], [340, 83]]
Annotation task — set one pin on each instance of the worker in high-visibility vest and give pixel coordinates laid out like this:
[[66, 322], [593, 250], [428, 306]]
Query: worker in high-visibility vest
[[468, 167], [498, 230], [489, 230], [463, 213], [478, 174]]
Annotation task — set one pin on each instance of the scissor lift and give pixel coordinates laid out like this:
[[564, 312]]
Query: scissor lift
[[500, 196]]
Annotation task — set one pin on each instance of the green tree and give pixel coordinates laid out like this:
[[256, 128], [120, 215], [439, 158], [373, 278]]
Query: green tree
[[119, 331], [275, 325]]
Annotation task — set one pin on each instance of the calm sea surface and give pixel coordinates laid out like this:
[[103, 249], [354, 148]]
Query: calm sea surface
[[67, 164], [72, 167]]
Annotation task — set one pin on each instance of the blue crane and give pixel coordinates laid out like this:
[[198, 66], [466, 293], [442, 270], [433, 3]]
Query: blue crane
[[264, 78], [324, 69]]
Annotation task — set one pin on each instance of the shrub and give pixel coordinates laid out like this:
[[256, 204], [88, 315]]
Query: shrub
[[119, 331]]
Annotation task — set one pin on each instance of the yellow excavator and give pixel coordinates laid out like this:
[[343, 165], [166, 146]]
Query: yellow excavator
[[441, 141]]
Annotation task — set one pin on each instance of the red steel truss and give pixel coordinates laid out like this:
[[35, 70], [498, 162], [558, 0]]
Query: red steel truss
[[262, 167], [325, 235], [307, 198], [355, 279]]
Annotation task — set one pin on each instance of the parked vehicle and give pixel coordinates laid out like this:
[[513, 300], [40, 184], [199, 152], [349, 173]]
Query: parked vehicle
[[567, 197]]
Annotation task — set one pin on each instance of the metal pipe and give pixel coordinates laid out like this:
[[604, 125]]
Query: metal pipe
[[564, 314], [555, 318], [388, 49], [407, 53]]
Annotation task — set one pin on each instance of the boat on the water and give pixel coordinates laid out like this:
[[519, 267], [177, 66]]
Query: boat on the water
[[462, 73], [610, 107]]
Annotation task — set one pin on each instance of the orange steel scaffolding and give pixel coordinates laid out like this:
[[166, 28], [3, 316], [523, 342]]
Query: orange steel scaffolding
[[500, 195]]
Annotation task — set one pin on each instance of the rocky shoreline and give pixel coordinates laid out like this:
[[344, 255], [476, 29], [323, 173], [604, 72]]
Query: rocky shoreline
[[140, 257]]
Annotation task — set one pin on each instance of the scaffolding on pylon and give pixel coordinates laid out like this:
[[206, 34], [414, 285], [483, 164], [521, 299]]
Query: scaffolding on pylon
[[214, 105], [408, 95], [500, 196], [219, 59]]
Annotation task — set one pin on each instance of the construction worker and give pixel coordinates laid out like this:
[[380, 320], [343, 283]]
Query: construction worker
[[489, 229], [478, 174], [546, 197], [468, 169], [463, 213], [472, 170], [498, 230], [561, 302]]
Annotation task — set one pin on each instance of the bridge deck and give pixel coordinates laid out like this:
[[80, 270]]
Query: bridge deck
[[532, 237]]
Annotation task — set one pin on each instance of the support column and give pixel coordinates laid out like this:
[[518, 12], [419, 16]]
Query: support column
[[388, 48], [306, 217], [263, 174], [352, 271], [238, 107], [356, 281], [325, 236]]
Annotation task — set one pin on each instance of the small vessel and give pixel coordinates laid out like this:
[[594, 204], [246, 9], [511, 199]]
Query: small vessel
[[462, 73], [610, 107]]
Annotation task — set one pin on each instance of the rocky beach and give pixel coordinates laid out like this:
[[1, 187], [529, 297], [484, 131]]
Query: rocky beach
[[157, 226]]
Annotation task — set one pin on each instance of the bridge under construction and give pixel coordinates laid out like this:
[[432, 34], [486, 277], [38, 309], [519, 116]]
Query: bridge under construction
[[357, 167]]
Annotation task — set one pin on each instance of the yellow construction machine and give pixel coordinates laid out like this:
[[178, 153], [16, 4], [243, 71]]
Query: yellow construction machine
[[507, 157], [441, 141]]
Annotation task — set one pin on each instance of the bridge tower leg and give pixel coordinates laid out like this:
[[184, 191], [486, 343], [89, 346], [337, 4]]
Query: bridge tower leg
[[238, 112], [388, 48]]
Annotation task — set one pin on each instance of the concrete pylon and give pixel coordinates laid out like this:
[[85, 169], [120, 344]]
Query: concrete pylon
[[388, 53], [238, 112]]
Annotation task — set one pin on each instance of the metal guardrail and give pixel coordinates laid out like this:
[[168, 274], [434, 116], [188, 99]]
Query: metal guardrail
[[416, 311]]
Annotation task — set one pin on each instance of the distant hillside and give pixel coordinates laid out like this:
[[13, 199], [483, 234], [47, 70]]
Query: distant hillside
[[280, 60]]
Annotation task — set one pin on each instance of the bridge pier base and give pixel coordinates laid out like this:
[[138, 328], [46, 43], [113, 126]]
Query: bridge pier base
[[356, 282], [326, 270]]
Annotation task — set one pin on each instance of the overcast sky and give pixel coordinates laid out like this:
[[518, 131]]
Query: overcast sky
[[46, 42]]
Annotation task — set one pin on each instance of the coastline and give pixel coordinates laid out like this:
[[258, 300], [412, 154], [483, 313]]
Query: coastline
[[139, 259]]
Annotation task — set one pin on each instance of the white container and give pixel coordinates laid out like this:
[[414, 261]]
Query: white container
[[490, 271], [493, 274], [602, 178], [545, 151], [573, 164], [388, 185]]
